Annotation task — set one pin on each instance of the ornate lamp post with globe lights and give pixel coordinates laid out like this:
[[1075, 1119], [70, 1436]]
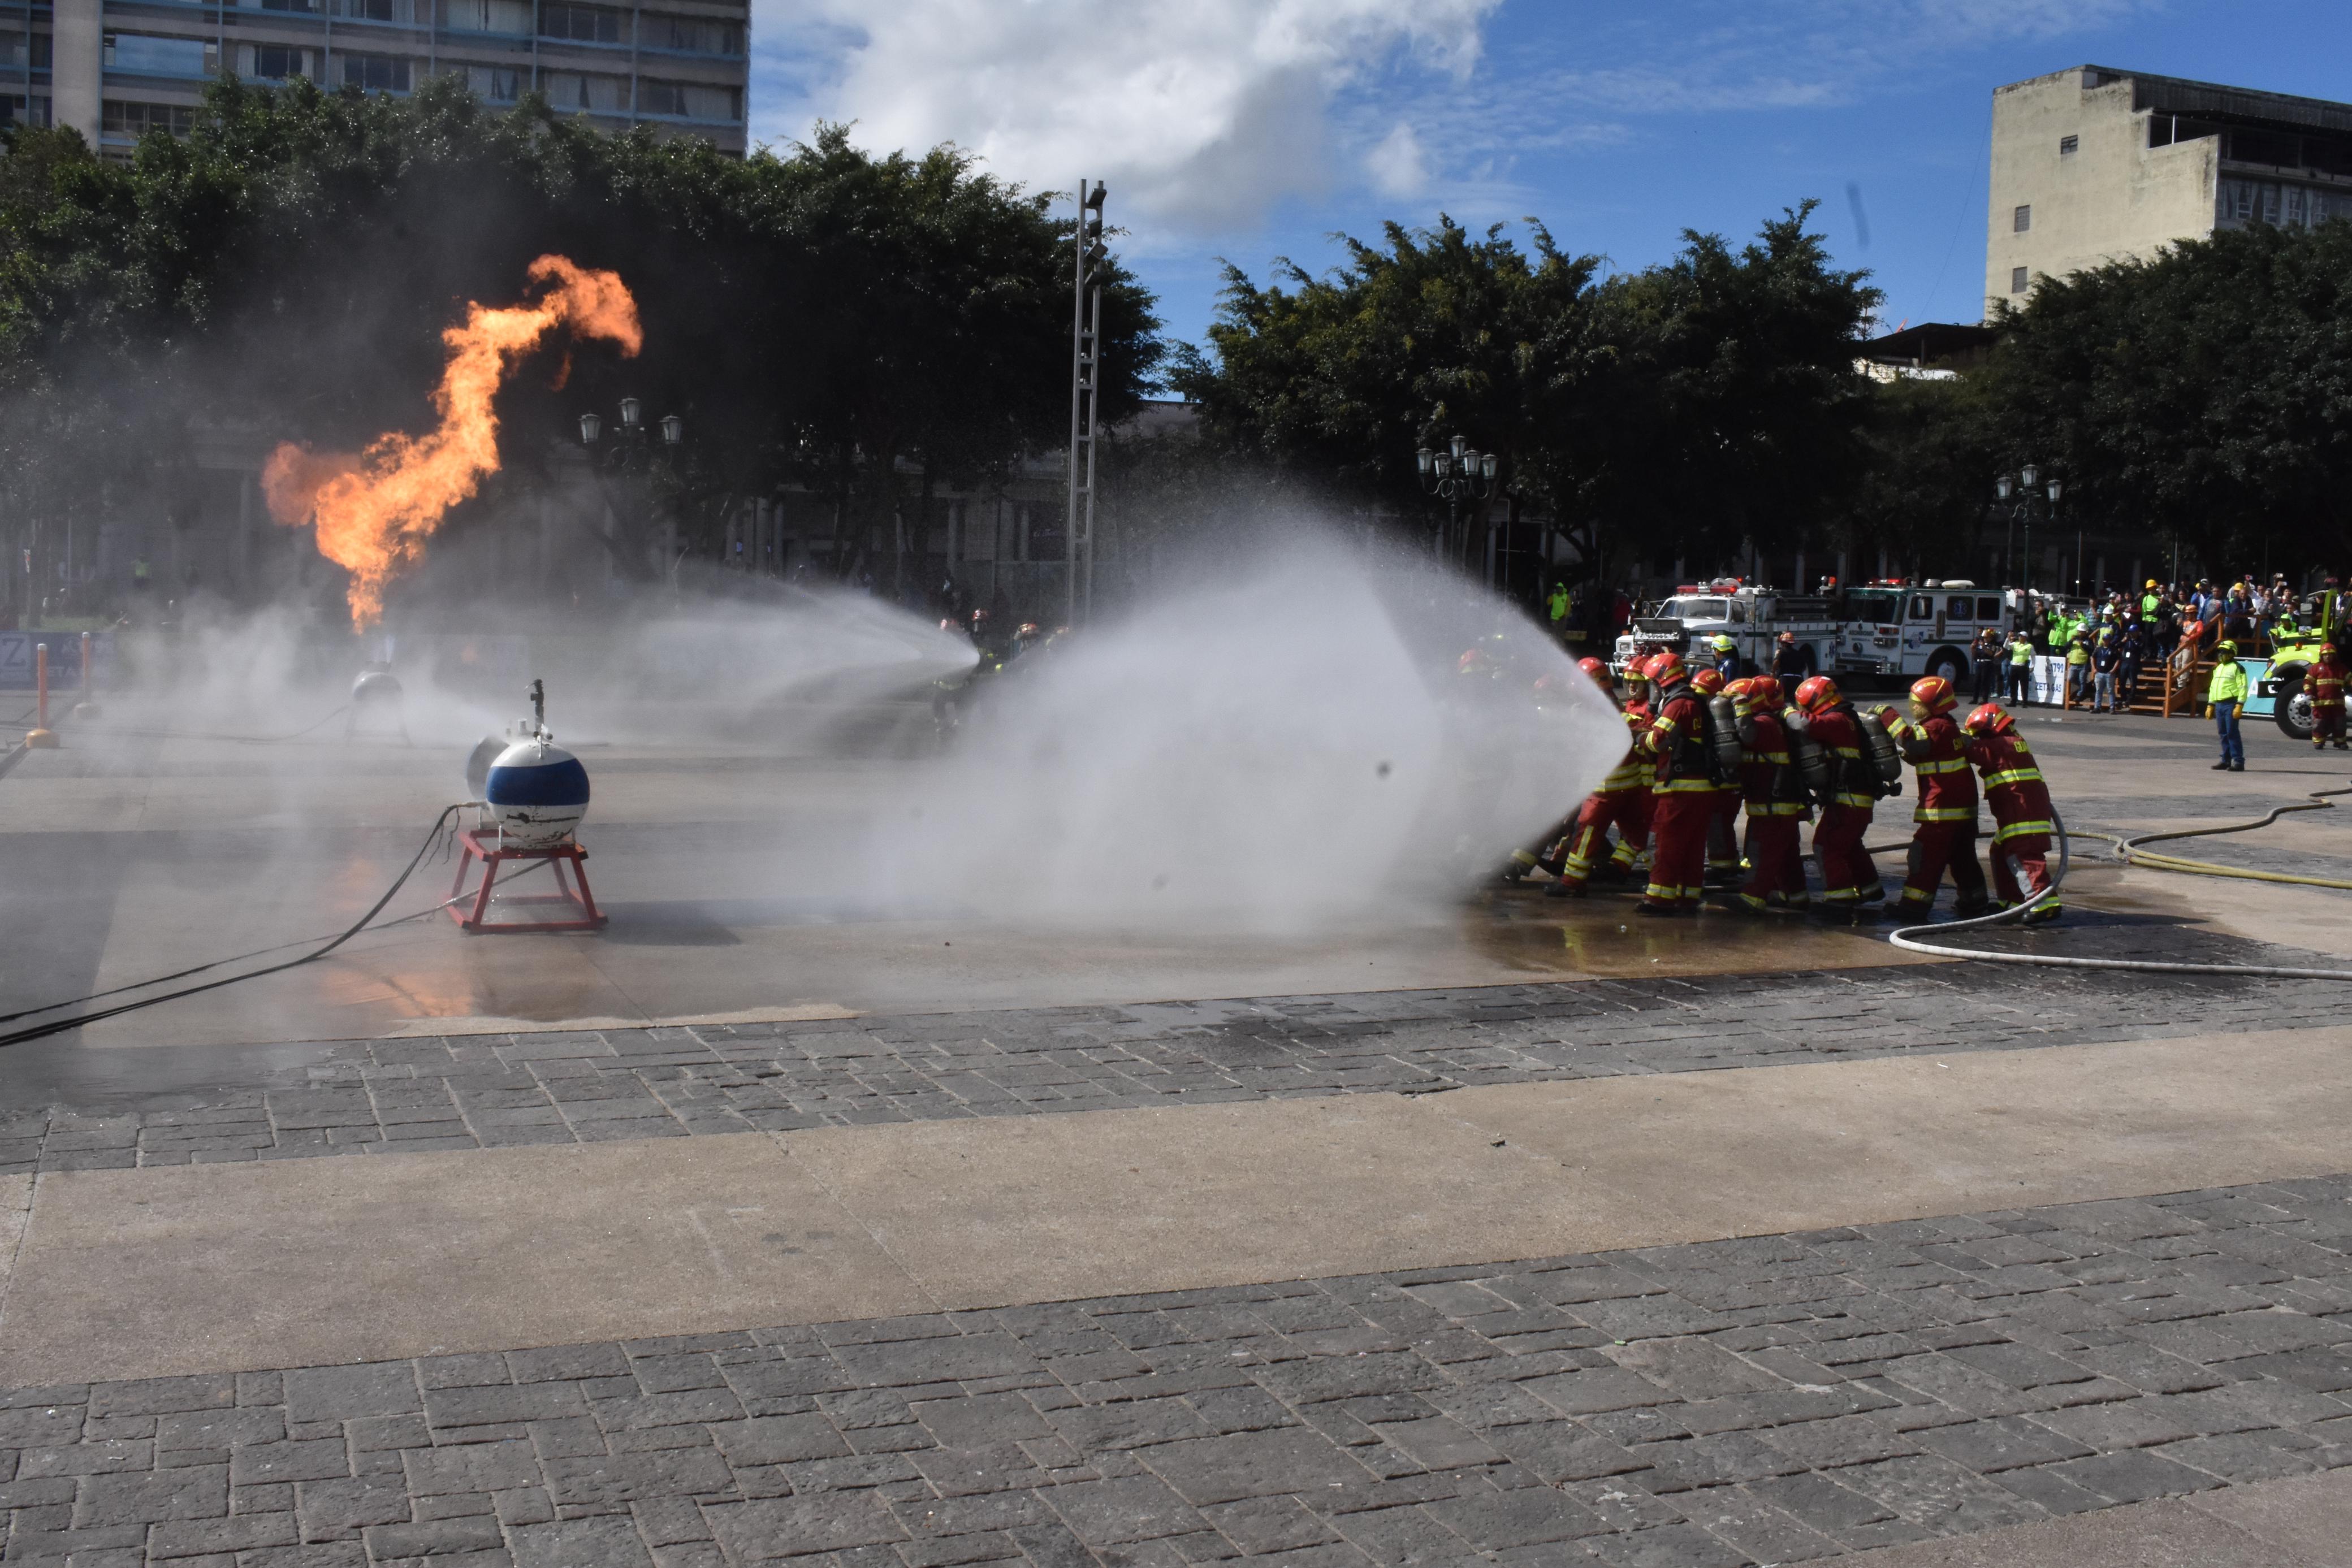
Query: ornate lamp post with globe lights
[[1460, 474], [2021, 515], [633, 449]]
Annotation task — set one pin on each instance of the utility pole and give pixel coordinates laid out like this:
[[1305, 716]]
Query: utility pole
[[1086, 409]]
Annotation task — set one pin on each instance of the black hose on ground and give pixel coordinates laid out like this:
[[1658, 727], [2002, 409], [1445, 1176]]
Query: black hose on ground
[[58, 1026]]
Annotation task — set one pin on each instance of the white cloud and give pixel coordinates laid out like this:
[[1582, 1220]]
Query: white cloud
[[1398, 166], [1201, 114]]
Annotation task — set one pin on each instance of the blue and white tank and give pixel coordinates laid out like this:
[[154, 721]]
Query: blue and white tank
[[538, 792]]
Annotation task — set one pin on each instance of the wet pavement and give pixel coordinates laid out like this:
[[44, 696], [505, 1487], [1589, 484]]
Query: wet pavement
[[789, 1218]]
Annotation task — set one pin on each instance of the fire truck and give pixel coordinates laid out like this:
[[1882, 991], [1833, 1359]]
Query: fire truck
[[1751, 615], [1904, 630], [1884, 629]]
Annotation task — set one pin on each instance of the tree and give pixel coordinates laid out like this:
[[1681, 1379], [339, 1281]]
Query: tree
[[1341, 379], [2204, 395], [1687, 409], [287, 271]]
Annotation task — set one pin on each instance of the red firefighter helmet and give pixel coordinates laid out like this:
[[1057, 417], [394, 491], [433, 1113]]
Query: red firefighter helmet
[[1990, 719], [1666, 670], [1708, 681], [1935, 694], [2327, 650], [1764, 690], [1816, 693], [1595, 668]]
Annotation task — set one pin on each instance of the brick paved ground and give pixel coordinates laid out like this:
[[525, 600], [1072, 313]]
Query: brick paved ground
[[493, 1090], [1773, 1399]]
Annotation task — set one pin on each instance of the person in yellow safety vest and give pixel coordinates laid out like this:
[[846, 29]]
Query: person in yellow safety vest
[[1559, 607], [2226, 696], [2020, 667], [2149, 602], [2078, 662]]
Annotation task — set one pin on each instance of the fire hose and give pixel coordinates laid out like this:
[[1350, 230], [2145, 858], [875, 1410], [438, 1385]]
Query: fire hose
[[2128, 851], [58, 1026]]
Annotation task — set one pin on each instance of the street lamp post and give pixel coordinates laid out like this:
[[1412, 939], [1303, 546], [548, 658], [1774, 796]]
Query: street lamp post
[[2021, 516], [632, 449], [1461, 473]]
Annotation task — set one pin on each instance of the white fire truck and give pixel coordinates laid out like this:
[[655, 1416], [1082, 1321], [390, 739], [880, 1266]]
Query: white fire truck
[[1891, 629]]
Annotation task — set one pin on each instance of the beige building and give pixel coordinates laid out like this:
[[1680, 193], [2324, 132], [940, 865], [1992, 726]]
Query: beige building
[[2092, 165], [115, 69]]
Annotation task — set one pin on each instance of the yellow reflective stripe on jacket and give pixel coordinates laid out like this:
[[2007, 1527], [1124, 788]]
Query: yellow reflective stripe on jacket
[[1945, 814], [2024, 831], [1778, 759], [1948, 764], [2015, 775], [1692, 785], [1862, 802], [1776, 807]]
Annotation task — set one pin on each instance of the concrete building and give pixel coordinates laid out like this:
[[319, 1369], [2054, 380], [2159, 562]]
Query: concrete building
[[2092, 165], [115, 69]]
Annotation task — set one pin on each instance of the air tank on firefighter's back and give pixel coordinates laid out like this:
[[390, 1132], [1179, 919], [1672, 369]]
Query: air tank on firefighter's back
[[536, 790]]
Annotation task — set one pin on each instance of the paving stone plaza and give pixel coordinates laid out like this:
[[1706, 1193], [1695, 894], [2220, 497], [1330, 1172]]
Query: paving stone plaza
[[1788, 1249]]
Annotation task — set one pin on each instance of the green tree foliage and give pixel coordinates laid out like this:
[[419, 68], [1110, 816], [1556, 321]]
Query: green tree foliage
[[1676, 410], [1922, 477], [2203, 396], [287, 270]]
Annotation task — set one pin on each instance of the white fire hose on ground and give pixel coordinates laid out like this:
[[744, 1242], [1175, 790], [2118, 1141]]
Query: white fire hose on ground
[[1907, 937]]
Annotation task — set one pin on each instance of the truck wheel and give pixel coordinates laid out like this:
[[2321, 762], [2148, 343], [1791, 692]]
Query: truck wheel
[[2291, 705], [1950, 664]]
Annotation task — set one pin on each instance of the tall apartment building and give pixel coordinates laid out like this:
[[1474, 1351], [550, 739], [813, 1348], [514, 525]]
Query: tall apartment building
[[2092, 165], [114, 69]]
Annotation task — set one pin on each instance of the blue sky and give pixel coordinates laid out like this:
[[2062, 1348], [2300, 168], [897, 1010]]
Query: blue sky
[[1253, 129]]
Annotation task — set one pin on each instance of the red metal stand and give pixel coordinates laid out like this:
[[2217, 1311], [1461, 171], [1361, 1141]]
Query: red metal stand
[[483, 844]]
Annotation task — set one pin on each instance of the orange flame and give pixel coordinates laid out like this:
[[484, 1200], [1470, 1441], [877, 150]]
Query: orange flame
[[374, 510]]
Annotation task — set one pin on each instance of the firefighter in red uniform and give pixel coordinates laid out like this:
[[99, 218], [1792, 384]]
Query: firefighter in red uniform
[[2327, 684], [1944, 833], [1619, 803], [1682, 791], [1849, 876], [2021, 809], [1723, 831], [1775, 798]]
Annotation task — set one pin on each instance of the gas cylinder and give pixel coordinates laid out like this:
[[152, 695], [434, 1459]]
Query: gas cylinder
[[1886, 757], [1812, 763], [538, 792], [1723, 733]]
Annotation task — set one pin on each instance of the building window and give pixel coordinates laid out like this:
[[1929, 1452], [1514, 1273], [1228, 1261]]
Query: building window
[[498, 84], [583, 24], [157, 56], [13, 52], [276, 62], [2069, 145], [136, 119], [690, 34], [2017, 279], [570, 90], [2021, 220], [489, 16], [375, 73], [13, 110], [689, 100], [404, 11]]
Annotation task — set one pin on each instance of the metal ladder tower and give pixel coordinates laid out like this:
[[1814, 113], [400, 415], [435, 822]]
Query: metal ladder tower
[[1085, 412]]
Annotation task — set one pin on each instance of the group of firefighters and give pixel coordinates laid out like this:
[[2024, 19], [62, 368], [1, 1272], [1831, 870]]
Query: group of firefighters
[[1703, 746]]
